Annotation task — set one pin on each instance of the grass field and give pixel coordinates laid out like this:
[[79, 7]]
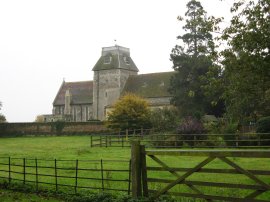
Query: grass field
[[78, 147], [67, 147]]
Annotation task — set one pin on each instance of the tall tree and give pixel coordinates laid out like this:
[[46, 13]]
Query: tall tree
[[192, 60], [247, 60]]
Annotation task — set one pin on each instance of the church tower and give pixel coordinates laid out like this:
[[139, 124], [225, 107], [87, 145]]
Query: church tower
[[110, 75]]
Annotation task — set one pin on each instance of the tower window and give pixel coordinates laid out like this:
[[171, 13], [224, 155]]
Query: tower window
[[107, 59], [126, 59]]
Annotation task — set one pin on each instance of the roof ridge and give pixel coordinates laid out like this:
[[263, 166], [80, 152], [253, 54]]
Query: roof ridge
[[79, 81], [152, 73]]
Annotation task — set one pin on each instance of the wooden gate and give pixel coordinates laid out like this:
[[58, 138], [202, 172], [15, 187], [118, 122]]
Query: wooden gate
[[236, 175]]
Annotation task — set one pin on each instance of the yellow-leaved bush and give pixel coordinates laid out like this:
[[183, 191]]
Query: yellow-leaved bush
[[129, 112]]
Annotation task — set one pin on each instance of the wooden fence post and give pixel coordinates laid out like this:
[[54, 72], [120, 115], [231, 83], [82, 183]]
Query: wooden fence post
[[126, 134], [110, 140], [9, 170], [55, 174], [76, 176], [36, 173], [136, 169], [23, 170], [129, 177], [144, 171], [236, 140], [100, 141], [102, 176], [195, 140], [91, 141]]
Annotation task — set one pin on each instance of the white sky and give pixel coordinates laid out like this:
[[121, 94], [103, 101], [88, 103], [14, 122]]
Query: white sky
[[44, 41]]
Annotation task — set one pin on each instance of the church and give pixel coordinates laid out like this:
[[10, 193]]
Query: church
[[115, 74]]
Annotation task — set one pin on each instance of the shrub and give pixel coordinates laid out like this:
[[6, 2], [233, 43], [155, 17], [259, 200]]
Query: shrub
[[215, 141], [129, 112], [230, 131], [84, 196], [263, 125], [164, 119], [190, 126]]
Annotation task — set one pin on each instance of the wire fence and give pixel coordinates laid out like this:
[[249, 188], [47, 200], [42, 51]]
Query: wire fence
[[68, 175]]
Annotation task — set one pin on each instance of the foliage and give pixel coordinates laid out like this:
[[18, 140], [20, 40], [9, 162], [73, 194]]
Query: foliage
[[190, 127], [164, 119], [26, 192], [39, 119], [247, 60], [216, 141], [2, 118], [58, 126], [213, 88], [129, 112], [263, 125], [192, 61], [230, 130]]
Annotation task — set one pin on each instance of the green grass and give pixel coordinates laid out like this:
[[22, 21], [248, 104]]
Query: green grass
[[11, 196], [78, 147], [65, 147]]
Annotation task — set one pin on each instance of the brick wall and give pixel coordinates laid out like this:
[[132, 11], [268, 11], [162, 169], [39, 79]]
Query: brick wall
[[53, 128]]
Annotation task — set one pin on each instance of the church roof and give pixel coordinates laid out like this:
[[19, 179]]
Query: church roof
[[149, 85], [81, 92], [115, 57]]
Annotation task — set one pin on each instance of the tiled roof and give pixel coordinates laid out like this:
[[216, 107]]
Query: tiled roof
[[149, 85], [117, 57], [81, 92]]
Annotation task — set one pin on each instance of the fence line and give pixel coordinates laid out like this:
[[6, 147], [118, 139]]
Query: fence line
[[258, 140], [70, 176]]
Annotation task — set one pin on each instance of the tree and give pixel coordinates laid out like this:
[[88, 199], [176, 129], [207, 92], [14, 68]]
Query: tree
[[39, 118], [164, 119], [192, 61], [129, 112], [2, 117], [247, 60]]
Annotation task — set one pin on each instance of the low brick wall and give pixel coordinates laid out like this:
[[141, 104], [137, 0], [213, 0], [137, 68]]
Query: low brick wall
[[53, 128]]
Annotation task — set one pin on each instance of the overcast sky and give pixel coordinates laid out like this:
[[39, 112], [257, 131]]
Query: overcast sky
[[42, 42]]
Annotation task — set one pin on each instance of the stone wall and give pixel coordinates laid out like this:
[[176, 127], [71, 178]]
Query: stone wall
[[53, 128]]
